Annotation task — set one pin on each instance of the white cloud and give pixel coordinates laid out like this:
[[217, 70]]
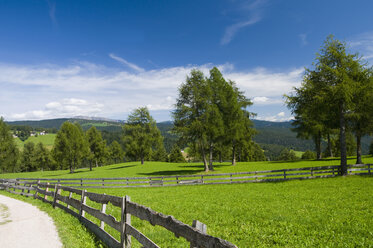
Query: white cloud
[[83, 88], [254, 10], [65, 108], [277, 118], [126, 63], [363, 43]]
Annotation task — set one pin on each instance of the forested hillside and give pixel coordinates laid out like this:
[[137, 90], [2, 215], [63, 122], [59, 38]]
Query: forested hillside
[[272, 136]]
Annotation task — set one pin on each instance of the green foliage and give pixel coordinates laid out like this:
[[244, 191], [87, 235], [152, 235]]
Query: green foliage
[[211, 113], [70, 146], [28, 157], [336, 92], [97, 147], [140, 134], [160, 153], [116, 152], [308, 155], [8, 150], [176, 156], [287, 155], [42, 157]]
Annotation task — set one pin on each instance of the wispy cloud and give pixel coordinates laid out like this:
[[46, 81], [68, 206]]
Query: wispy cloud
[[303, 39], [50, 91], [52, 11], [363, 43], [254, 10], [126, 63]]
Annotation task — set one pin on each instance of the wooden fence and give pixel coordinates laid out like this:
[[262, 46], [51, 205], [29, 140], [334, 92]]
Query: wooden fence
[[225, 178], [63, 197]]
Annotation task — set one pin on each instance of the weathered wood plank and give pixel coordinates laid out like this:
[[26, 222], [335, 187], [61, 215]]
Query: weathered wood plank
[[176, 226], [106, 238], [102, 198], [108, 219], [70, 201], [140, 237]]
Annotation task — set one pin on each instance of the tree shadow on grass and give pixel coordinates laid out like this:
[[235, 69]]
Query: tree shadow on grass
[[171, 172], [122, 167]]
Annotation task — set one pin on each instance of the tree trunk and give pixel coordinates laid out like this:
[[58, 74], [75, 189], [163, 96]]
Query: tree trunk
[[220, 157], [342, 141], [211, 167], [317, 139], [358, 148], [204, 159], [142, 159], [90, 165], [96, 163], [239, 154], [234, 153], [330, 151]]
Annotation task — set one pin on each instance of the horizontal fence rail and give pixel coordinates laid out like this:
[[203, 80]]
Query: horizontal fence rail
[[74, 201], [205, 179]]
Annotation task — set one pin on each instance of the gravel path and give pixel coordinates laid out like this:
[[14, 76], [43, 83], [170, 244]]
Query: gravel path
[[24, 225]]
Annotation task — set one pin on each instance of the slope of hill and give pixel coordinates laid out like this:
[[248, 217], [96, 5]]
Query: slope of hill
[[272, 136]]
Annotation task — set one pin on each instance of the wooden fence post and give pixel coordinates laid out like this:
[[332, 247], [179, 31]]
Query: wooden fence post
[[125, 239], [46, 190], [200, 227], [369, 169], [36, 190], [57, 191], [70, 195], [103, 182], [82, 202], [54, 196], [311, 172], [81, 182], [284, 174], [103, 210]]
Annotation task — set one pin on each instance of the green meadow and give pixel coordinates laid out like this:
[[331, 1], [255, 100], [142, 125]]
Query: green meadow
[[331, 212], [47, 140]]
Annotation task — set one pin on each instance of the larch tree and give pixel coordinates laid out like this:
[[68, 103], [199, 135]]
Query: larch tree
[[328, 91], [42, 157], [191, 113], [116, 152], [70, 146], [140, 134], [97, 147]]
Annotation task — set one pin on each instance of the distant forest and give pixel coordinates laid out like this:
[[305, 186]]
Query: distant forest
[[273, 137]]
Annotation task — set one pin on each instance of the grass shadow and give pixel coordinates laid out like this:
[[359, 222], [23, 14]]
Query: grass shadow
[[171, 173], [122, 167]]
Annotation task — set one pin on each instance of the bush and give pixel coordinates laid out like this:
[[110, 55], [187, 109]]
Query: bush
[[309, 155], [287, 155]]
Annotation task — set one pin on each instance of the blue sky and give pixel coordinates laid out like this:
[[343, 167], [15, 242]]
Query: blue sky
[[106, 58]]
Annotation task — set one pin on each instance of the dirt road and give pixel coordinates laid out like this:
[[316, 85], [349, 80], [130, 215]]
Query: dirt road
[[24, 225]]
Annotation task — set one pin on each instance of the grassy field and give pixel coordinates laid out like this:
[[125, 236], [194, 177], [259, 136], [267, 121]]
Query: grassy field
[[47, 140], [135, 169], [333, 212]]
